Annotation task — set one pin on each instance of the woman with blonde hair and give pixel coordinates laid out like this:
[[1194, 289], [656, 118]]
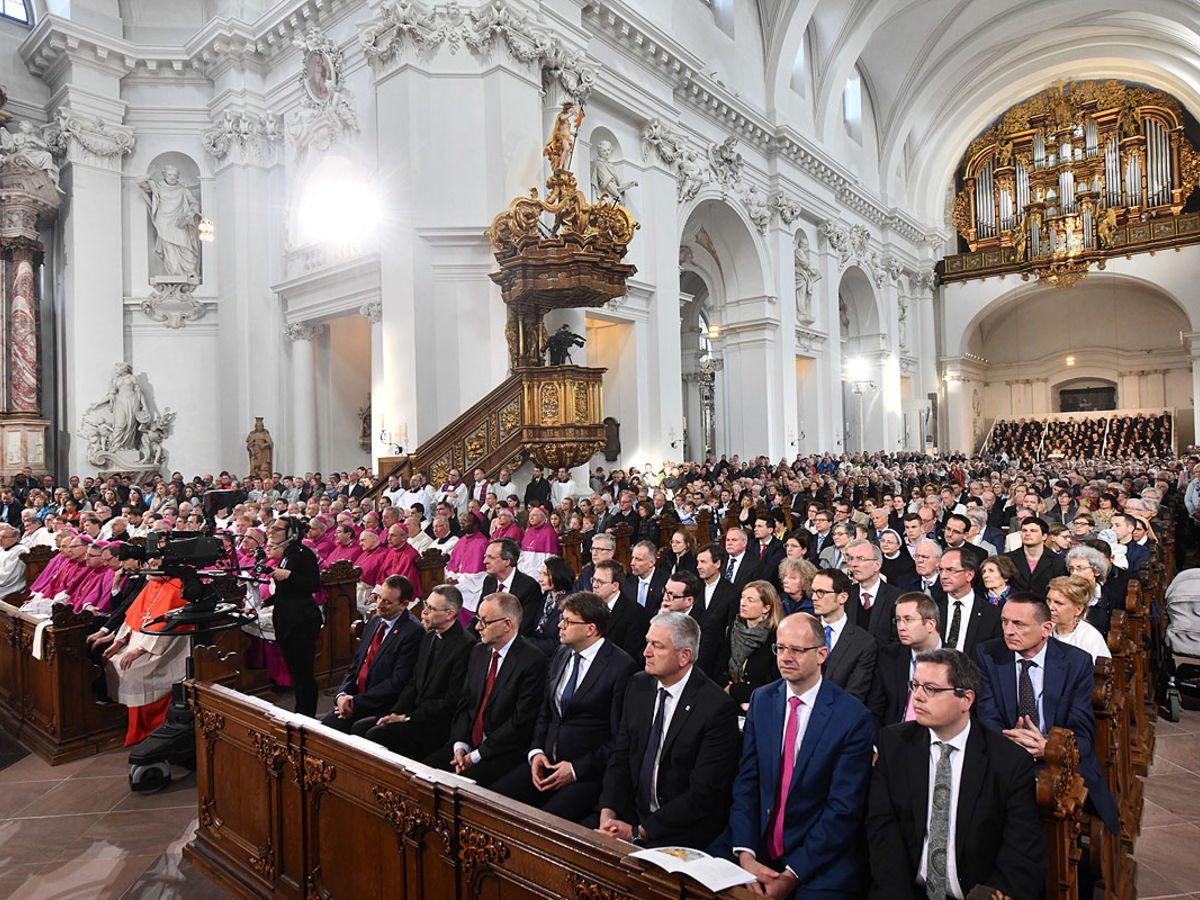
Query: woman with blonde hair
[[1068, 597], [746, 660]]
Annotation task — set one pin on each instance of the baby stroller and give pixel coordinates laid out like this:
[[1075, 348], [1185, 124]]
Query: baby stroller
[[1182, 663]]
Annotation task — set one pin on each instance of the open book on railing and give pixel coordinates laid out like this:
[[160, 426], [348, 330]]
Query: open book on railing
[[714, 873]]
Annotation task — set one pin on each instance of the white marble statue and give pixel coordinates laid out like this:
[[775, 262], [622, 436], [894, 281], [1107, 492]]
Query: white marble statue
[[605, 179], [121, 431], [174, 213], [26, 146], [806, 277], [902, 328]]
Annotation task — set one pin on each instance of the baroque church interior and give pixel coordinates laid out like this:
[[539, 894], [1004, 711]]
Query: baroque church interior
[[861, 226]]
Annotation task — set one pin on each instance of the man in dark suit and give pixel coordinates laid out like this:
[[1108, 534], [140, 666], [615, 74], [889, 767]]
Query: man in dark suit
[[580, 714], [1036, 564], [927, 556], [538, 489], [1135, 553], [627, 621], [740, 567], [644, 584], [419, 720], [1054, 688], [956, 537], [997, 839], [797, 815], [766, 549], [872, 600], [684, 593], [822, 520], [498, 708], [624, 513], [890, 700], [384, 660], [503, 577], [603, 547], [851, 660], [968, 618], [10, 508], [719, 597], [671, 767]]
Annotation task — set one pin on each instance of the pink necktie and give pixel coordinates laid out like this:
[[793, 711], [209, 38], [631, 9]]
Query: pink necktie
[[787, 764], [909, 715], [866, 601]]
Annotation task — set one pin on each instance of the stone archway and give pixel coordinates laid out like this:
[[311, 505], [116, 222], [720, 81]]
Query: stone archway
[[863, 354]]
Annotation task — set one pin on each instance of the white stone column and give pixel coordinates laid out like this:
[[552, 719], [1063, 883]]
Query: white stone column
[[373, 313], [304, 453], [1182, 439]]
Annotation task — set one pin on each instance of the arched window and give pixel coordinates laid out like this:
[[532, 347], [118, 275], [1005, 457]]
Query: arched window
[[852, 106], [16, 10], [798, 74]]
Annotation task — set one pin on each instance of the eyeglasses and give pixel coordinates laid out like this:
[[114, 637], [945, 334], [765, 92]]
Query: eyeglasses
[[929, 690], [781, 649], [484, 623], [945, 570], [817, 592], [570, 622], [435, 609], [596, 582], [910, 620]]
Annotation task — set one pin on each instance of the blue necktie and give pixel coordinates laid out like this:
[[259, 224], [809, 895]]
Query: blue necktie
[[642, 593], [828, 637], [646, 774], [729, 570], [569, 690]]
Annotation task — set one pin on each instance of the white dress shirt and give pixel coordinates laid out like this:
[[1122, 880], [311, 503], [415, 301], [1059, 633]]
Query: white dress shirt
[[959, 743], [586, 658], [672, 701], [968, 605]]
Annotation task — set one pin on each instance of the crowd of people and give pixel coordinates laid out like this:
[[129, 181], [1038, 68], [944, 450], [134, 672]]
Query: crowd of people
[[727, 689], [1119, 437]]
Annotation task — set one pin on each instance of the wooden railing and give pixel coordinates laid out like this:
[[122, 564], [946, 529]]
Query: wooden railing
[[290, 809], [552, 413]]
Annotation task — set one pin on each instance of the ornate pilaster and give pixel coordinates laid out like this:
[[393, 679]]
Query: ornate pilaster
[[304, 394], [89, 140], [243, 136]]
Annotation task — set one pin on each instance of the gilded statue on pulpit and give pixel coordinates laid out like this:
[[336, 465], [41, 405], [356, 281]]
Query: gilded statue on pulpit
[[562, 139]]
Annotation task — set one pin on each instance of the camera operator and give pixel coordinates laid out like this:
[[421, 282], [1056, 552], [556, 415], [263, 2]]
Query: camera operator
[[132, 559], [297, 616]]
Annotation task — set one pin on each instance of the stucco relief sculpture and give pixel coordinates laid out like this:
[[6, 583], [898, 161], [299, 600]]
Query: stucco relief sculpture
[[693, 175], [260, 447], [902, 322], [25, 146], [605, 178], [726, 162], [122, 432], [757, 208], [657, 138], [326, 112]]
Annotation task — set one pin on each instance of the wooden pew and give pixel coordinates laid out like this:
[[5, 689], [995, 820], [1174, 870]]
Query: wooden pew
[[432, 569], [48, 703], [1112, 853], [1131, 793], [289, 809], [1141, 728], [1060, 797], [667, 523], [572, 550], [623, 535]]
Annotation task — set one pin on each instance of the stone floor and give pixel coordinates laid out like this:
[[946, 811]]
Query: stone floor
[[76, 830]]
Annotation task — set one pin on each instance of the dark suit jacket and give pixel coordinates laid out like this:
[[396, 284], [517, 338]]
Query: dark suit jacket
[[537, 491], [936, 591], [851, 663], [747, 571], [1135, 555], [525, 589], [877, 620], [12, 513], [1049, 566], [695, 768], [390, 670], [512, 707], [827, 799], [818, 544], [654, 593], [758, 668], [584, 582], [998, 833], [768, 565], [889, 684], [627, 624], [583, 733], [1066, 701], [983, 624], [431, 696]]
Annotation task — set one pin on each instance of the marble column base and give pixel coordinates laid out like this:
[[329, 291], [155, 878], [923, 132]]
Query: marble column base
[[22, 443]]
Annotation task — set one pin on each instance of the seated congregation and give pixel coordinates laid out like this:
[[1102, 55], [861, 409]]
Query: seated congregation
[[846, 692]]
